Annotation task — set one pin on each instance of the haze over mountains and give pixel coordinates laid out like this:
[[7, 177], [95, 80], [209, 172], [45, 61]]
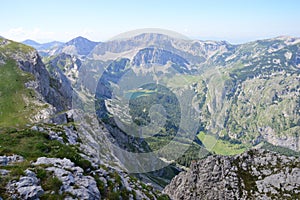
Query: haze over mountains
[[243, 68], [116, 105]]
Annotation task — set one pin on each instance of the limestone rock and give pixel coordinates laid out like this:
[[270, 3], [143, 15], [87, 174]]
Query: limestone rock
[[256, 174], [27, 187], [5, 160], [72, 178]]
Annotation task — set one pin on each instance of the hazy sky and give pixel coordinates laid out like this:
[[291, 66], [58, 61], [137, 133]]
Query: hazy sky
[[231, 20]]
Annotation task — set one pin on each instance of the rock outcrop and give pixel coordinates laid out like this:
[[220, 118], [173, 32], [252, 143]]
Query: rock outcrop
[[27, 187], [72, 178], [256, 174], [64, 64], [5, 160]]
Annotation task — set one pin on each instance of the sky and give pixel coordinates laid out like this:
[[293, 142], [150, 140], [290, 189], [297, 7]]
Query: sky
[[99, 20]]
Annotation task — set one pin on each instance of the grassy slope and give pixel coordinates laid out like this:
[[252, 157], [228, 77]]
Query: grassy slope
[[14, 47], [14, 109], [219, 146], [210, 142], [31, 145], [16, 105]]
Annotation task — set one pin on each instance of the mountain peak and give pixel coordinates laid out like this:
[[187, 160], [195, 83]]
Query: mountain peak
[[284, 37], [79, 39], [152, 36], [149, 32], [80, 46], [31, 42]]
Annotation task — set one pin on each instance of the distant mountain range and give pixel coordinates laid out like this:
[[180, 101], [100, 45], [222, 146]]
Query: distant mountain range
[[242, 68], [79, 46], [43, 46], [143, 102]]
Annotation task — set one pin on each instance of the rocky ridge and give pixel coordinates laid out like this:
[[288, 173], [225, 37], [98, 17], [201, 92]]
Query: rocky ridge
[[51, 177], [27, 187], [255, 174], [55, 98]]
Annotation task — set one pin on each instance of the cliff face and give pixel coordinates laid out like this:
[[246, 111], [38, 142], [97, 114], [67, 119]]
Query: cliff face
[[256, 174], [49, 94], [53, 87]]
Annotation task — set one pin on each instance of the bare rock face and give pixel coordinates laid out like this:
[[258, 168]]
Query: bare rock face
[[256, 174], [72, 178], [5, 160], [27, 187], [291, 141]]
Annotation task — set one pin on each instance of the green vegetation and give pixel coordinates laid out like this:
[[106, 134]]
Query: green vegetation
[[220, 146], [14, 47], [16, 171], [163, 197], [247, 178], [238, 100], [194, 152], [110, 192], [49, 182], [141, 104], [247, 101], [281, 150], [32, 144], [17, 105], [180, 81], [15, 99]]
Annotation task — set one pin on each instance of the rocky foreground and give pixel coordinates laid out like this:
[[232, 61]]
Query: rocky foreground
[[256, 174], [62, 172]]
